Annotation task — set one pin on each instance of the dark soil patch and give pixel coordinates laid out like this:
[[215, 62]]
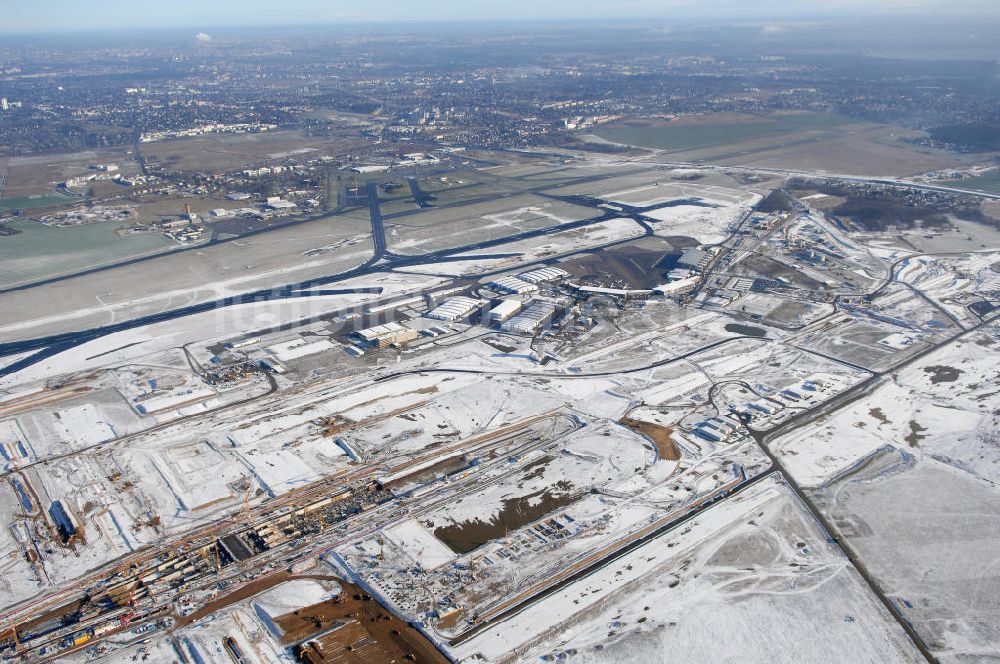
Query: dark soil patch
[[624, 266], [745, 330], [516, 512], [879, 415], [915, 435], [943, 374], [771, 269], [382, 631], [871, 209]]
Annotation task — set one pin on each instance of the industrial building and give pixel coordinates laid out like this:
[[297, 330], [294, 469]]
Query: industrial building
[[696, 258], [505, 310], [761, 407], [454, 309], [512, 285], [742, 284], [383, 336], [678, 287], [618, 292], [372, 168], [396, 304], [272, 364], [716, 429], [543, 274], [277, 203], [528, 321], [243, 343], [65, 520]]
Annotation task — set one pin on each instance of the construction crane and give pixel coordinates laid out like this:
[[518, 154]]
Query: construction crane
[[131, 603], [217, 557], [245, 510]]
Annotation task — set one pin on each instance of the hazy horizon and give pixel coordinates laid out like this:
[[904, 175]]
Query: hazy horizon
[[58, 16]]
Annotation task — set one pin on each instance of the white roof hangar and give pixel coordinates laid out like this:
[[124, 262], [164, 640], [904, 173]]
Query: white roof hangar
[[455, 308], [512, 285], [543, 274], [529, 320], [505, 309]]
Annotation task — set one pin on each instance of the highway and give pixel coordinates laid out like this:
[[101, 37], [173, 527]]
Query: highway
[[763, 439], [861, 389], [577, 375]]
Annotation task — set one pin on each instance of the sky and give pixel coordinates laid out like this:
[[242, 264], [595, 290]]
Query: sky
[[39, 16]]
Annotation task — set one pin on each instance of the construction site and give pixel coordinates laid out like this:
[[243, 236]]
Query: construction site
[[409, 464]]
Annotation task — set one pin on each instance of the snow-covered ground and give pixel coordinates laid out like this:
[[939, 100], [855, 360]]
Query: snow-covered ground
[[501, 463], [752, 579], [554, 244], [418, 543], [943, 406], [707, 225], [953, 281], [293, 595]]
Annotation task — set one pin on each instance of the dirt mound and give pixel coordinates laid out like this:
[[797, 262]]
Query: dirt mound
[[659, 434]]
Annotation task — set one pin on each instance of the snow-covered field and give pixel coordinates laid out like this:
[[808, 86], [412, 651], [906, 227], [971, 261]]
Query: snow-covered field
[[752, 580], [707, 225], [122, 347], [420, 544], [928, 532], [293, 595], [554, 244], [943, 406], [953, 281], [68, 429]]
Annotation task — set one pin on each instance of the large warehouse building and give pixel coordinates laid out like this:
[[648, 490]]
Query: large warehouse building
[[382, 336], [505, 310], [454, 309], [532, 318], [512, 285], [543, 274]]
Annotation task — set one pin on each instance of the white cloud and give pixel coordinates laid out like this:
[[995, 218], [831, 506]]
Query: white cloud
[[203, 37]]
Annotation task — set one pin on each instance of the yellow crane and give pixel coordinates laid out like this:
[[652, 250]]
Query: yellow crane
[[245, 510]]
